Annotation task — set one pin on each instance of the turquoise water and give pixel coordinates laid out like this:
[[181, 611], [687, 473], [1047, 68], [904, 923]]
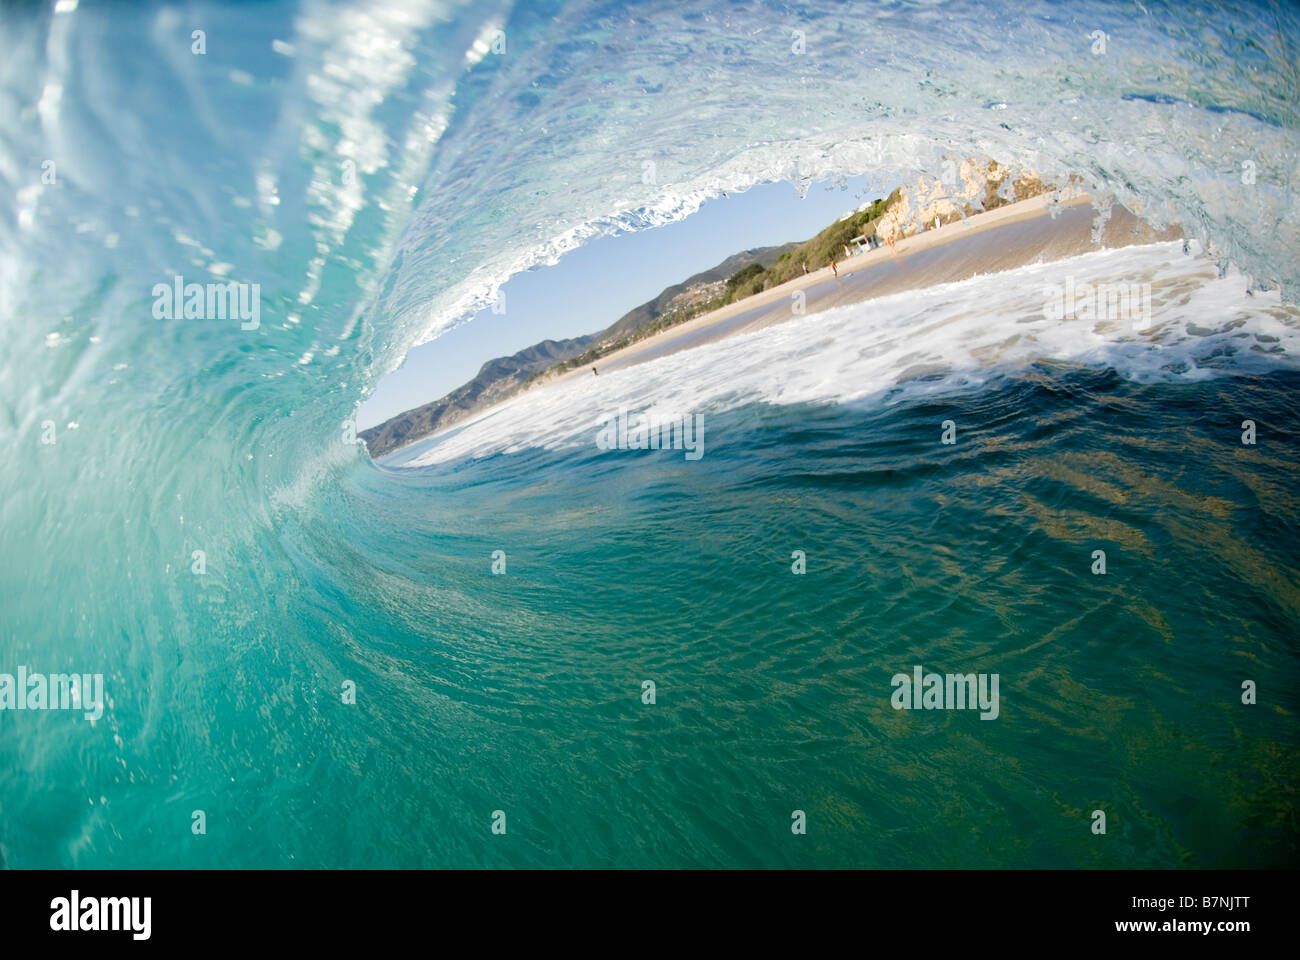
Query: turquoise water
[[1118, 692], [522, 692]]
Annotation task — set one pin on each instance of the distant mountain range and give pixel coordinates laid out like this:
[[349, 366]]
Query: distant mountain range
[[502, 378], [976, 187]]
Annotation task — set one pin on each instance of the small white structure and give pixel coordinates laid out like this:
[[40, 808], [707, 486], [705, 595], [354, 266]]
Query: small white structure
[[864, 243]]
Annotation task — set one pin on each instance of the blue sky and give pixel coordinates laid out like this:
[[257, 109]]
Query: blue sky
[[593, 286]]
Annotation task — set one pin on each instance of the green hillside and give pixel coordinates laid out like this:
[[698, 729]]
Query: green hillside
[[749, 280]]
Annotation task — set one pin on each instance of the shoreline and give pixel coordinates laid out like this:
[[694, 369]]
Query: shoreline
[[971, 227], [950, 253]]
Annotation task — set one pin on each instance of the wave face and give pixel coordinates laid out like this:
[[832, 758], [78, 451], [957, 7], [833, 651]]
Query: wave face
[[379, 170]]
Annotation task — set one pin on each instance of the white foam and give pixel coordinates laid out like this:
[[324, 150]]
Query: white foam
[[950, 337]]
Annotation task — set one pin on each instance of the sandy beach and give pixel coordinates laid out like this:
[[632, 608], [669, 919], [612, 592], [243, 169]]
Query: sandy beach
[[1002, 239], [885, 271]]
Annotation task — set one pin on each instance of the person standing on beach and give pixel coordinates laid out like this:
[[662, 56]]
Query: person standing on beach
[[805, 266], [835, 270], [594, 373]]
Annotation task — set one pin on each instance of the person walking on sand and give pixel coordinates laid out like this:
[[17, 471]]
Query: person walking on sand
[[594, 373], [835, 270], [805, 266]]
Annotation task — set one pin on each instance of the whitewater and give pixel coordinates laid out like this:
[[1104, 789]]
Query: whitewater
[[186, 511], [927, 342]]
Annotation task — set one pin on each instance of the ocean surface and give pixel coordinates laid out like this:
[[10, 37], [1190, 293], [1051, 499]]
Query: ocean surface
[[185, 508]]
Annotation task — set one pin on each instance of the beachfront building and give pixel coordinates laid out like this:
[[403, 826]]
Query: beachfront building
[[865, 242]]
